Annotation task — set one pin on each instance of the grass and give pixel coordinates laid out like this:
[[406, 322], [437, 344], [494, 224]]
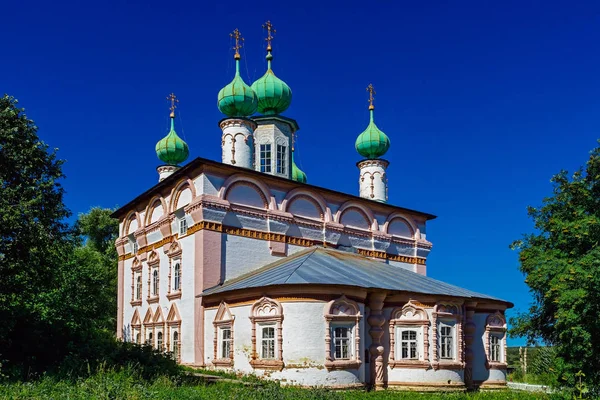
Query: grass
[[127, 384]]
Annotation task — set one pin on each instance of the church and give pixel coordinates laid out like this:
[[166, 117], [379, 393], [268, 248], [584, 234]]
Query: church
[[242, 265]]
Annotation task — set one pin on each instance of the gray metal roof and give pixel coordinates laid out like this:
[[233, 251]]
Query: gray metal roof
[[322, 266]]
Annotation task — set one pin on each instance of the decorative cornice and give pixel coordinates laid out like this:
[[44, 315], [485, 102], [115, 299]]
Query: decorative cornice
[[391, 257], [237, 122], [373, 163]]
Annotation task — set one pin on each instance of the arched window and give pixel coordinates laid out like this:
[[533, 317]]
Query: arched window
[[149, 341], [175, 349], [155, 283], [177, 278], [138, 289], [409, 336], [159, 341], [266, 316], [138, 338]]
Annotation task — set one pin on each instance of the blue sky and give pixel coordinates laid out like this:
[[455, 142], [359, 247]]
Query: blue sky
[[483, 101]]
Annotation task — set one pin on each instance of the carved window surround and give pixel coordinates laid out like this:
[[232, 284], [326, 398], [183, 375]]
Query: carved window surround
[[136, 268], [451, 312], [174, 324], [223, 319], [411, 315], [495, 324], [267, 311], [342, 311], [153, 264], [174, 253]]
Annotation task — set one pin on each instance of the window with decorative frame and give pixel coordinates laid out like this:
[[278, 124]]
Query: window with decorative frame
[[148, 327], [409, 336], [174, 333], [266, 316], [136, 328], [223, 337], [136, 283], [447, 336], [175, 271], [495, 341], [153, 277], [159, 341], [342, 334]]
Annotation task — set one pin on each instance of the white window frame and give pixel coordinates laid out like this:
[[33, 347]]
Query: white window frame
[[155, 282], [177, 276], [225, 343], [418, 341], [349, 341], [183, 226], [175, 344], [224, 320], [444, 325], [272, 340], [281, 158], [265, 149], [495, 329], [134, 246]]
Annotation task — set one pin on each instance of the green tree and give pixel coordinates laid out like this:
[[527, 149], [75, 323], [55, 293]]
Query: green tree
[[34, 240], [561, 262]]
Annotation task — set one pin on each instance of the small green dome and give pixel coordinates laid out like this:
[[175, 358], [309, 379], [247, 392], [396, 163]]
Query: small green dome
[[297, 174], [274, 95], [372, 143], [237, 99], [172, 150]]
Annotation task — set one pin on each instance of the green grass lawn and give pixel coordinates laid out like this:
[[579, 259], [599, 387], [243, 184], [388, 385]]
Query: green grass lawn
[[127, 385]]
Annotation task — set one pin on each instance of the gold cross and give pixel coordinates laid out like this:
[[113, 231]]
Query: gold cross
[[238, 42], [174, 100], [371, 91], [269, 27]]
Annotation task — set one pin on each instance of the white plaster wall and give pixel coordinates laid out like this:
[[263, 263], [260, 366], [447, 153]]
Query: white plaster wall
[[186, 303], [157, 212], [303, 345], [244, 146], [480, 372], [185, 197], [375, 175], [243, 255]]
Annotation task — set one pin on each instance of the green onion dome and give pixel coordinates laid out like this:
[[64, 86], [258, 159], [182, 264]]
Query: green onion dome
[[372, 143], [274, 95], [237, 99], [172, 150], [297, 174]]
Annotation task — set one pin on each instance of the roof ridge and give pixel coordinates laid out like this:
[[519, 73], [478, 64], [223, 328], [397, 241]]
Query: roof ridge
[[302, 263], [264, 268]]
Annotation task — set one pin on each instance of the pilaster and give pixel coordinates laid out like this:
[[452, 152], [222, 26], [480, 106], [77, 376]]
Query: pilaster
[[376, 320], [373, 179]]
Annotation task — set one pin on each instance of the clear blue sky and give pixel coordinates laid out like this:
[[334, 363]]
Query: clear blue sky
[[483, 101]]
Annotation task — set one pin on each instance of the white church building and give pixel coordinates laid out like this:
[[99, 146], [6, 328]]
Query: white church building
[[242, 265]]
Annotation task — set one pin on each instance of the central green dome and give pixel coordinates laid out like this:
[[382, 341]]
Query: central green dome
[[237, 99], [172, 150], [274, 95], [372, 143], [297, 174]]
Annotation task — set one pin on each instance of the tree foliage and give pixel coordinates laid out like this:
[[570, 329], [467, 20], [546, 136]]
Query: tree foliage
[[34, 238], [561, 262], [59, 283]]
